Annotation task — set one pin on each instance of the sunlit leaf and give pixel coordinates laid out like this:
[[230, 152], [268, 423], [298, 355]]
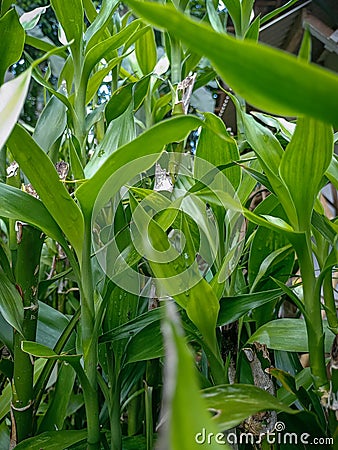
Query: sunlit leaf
[[11, 304], [146, 53], [12, 98], [267, 78], [30, 19], [303, 165], [45, 180], [234, 403], [10, 49], [289, 335], [148, 145]]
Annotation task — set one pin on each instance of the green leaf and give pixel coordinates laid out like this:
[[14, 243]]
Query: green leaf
[[216, 146], [235, 11], [146, 53], [277, 11], [12, 98], [30, 19], [253, 30], [132, 327], [289, 335], [97, 29], [55, 112], [173, 278], [276, 258], [42, 351], [232, 308], [11, 304], [113, 140], [51, 325], [267, 78], [303, 165], [235, 403], [57, 408], [181, 389], [71, 20], [119, 102], [144, 149], [45, 180], [246, 10], [106, 48], [145, 345], [16, 204], [12, 39], [53, 440], [213, 17]]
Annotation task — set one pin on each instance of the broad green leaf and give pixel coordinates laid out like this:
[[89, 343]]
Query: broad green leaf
[[146, 53], [53, 440], [106, 48], [144, 149], [97, 29], [112, 140], [4, 435], [134, 326], [11, 304], [232, 308], [30, 19], [12, 98], [253, 30], [213, 17], [71, 20], [16, 204], [236, 402], [45, 180], [270, 255], [147, 344], [289, 335], [269, 152], [246, 11], [267, 78], [55, 112], [51, 325], [332, 172], [216, 146], [235, 11], [41, 351], [173, 278], [122, 306], [119, 102], [57, 408], [303, 165], [180, 390], [95, 81], [12, 39], [282, 126]]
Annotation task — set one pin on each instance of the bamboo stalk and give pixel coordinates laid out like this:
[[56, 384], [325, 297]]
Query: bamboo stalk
[[30, 242]]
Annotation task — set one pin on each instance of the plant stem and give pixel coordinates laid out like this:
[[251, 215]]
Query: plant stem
[[89, 342], [314, 323], [30, 242]]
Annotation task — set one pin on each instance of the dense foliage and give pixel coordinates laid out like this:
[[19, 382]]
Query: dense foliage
[[163, 283]]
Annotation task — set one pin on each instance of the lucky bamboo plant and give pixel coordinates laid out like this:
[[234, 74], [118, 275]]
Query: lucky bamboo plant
[[104, 199]]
